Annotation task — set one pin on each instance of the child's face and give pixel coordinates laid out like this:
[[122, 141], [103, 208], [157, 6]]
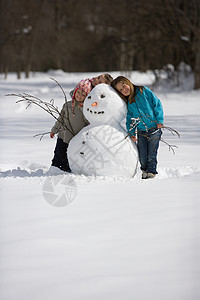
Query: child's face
[[99, 79], [80, 95], [123, 88]]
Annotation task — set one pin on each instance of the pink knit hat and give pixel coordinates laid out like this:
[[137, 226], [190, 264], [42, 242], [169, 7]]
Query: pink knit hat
[[84, 85]]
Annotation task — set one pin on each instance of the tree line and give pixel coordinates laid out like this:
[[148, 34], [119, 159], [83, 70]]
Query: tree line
[[106, 35]]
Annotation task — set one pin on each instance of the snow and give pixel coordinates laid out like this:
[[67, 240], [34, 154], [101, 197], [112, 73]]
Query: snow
[[119, 238], [104, 106]]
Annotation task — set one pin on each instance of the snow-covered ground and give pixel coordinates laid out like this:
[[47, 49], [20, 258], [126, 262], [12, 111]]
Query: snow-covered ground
[[120, 238]]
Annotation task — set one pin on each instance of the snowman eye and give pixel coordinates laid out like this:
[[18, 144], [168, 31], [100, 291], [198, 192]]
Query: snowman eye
[[102, 96], [89, 97]]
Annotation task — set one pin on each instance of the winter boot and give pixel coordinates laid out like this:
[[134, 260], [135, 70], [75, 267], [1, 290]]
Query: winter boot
[[144, 175], [150, 175]]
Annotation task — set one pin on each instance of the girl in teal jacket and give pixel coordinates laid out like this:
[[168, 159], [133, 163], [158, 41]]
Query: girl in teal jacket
[[144, 119]]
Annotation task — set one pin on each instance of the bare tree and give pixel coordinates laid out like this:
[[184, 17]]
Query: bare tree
[[99, 36]]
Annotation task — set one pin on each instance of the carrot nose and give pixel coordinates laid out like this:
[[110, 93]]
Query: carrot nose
[[94, 104]]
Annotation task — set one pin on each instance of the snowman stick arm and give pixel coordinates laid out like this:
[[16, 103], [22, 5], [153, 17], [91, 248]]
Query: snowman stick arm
[[60, 122], [48, 107], [134, 125], [70, 125], [41, 135]]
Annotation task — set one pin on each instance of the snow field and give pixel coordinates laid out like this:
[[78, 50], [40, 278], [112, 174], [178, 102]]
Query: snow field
[[120, 238]]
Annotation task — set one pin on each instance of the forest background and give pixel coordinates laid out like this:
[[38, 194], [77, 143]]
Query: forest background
[[100, 36]]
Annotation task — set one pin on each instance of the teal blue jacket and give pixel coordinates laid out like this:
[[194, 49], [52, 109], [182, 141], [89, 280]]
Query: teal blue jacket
[[147, 108]]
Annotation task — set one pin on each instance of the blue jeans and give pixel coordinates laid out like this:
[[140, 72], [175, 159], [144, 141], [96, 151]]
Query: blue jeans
[[148, 143]]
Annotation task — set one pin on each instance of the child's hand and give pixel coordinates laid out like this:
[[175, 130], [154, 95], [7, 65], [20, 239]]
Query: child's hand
[[134, 138], [159, 125], [52, 134]]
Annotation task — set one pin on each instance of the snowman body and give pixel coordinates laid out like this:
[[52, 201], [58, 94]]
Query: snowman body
[[102, 148]]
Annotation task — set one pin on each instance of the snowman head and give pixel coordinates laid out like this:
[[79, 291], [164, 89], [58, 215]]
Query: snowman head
[[104, 106]]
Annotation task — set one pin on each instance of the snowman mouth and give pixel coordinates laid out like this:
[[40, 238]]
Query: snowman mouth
[[95, 112]]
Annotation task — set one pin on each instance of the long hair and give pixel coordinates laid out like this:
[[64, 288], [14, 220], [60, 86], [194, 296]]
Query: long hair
[[133, 88]]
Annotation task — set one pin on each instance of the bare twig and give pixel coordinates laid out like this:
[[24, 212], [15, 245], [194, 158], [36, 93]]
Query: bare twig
[[71, 128], [171, 147], [173, 131], [135, 122], [49, 107], [42, 134]]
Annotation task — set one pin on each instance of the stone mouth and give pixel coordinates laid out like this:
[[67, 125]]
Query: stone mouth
[[95, 112]]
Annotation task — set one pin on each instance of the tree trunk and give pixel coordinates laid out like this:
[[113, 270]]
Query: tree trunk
[[27, 71], [57, 10], [6, 72], [197, 67], [34, 33], [123, 50], [18, 74]]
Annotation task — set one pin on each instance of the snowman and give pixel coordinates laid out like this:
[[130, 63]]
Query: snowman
[[102, 148]]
